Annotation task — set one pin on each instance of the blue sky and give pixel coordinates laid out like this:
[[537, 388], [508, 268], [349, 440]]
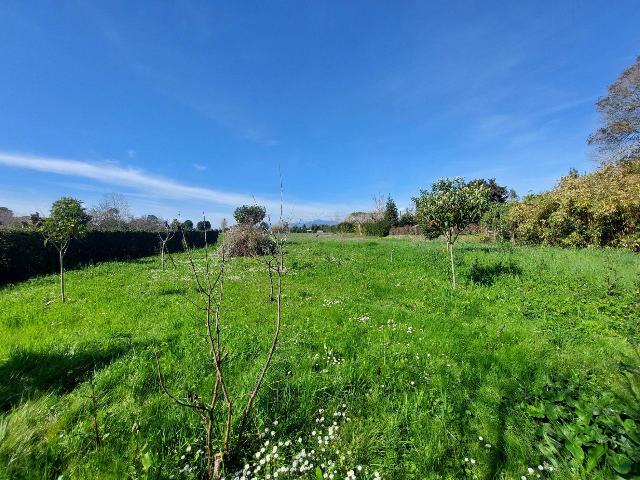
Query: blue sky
[[190, 106]]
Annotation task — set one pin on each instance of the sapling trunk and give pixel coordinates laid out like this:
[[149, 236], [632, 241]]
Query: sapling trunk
[[61, 254], [94, 421], [453, 267]]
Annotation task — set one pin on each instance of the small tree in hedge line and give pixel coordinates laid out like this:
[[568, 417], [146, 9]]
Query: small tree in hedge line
[[407, 218], [391, 212], [448, 208], [174, 225], [68, 220], [187, 225], [203, 225]]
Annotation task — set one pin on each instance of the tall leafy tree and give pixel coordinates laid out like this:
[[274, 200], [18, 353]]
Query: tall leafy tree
[[448, 208], [619, 137], [391, 212], [497, 193], [67, 220]]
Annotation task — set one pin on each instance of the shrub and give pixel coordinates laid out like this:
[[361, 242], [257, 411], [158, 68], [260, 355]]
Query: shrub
[[243, 240], [377, 229], [598, 209], [496, 221]]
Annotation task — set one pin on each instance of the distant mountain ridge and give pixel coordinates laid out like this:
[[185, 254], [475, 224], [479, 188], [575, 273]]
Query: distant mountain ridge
[[317, 221]]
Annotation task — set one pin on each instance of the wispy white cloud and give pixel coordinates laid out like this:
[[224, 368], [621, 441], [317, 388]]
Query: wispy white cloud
[[199, 167], [153, 185]]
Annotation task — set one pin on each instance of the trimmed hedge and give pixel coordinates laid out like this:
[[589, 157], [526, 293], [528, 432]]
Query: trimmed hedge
[[24, 255], [376, 229]]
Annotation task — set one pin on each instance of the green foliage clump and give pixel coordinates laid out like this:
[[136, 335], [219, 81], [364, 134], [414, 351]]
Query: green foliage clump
[[407, 218], [376, 228], [68, 219], [250, 214], [450, 206], [391, 213], [599, 209], [496, 220], [593, 432], [203, 225], [188, 225], [497, 193]]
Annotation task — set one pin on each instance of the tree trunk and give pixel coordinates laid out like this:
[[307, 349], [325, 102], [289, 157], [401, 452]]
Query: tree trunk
[[162, 257], [453, 268], [61, 275]]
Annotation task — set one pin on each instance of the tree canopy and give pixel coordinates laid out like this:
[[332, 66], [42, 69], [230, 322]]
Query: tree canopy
[[250, 214], [188, 225], [450, 206], [497, 193], [391, 212], [619, 136], [68, 219], [203, 225]]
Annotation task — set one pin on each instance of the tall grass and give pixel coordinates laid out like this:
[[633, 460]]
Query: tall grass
[[424, 371]]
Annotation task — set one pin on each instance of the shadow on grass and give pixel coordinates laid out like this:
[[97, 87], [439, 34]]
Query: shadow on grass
[[488, 274], [28, 373]]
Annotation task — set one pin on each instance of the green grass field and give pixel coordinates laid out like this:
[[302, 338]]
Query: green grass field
[[534, 352]]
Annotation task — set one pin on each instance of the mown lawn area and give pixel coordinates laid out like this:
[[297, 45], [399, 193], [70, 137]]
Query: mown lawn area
[[529, 362]]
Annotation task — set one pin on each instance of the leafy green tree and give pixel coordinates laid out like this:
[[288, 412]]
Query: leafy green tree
[[175, 225], [250, 214], [36, 219], [407, 218], [203, 225], [496, 220], [391, 212], [187, 225], [497, 193], [68, 220], [619, 137], [448, 208]]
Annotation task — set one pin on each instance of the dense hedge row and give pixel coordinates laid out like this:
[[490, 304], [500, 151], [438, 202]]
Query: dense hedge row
[[24, 255], [598, 209]]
